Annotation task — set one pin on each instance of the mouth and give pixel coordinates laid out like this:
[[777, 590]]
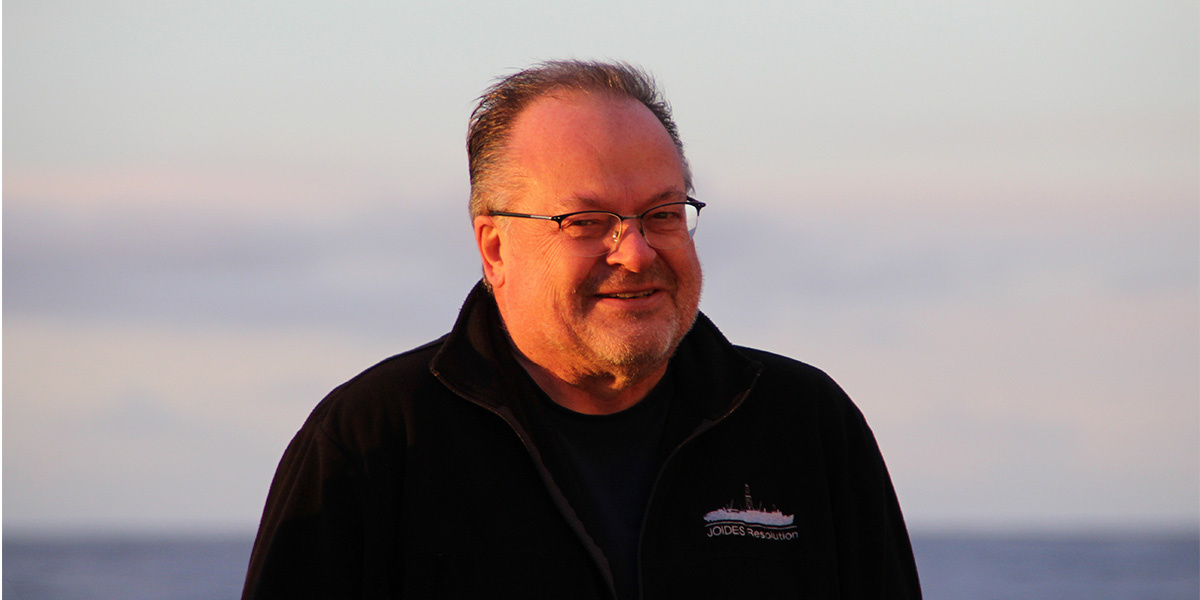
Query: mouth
[[629, 295]]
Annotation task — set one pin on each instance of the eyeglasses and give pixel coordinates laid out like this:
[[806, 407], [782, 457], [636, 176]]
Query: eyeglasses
[[597, 232]]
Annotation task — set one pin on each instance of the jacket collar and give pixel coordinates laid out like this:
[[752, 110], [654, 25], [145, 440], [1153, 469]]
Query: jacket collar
[[476, 361]]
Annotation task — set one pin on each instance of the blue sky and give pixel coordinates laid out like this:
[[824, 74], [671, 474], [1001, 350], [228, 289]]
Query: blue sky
[[983, 219]]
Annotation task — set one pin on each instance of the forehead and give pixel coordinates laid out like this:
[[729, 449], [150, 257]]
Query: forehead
[[561, 114], [596, 147]]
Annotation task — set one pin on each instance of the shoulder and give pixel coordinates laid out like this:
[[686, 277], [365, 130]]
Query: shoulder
[[393, 375], [369, 409], [799, 385], [805, 397], [782, 370]]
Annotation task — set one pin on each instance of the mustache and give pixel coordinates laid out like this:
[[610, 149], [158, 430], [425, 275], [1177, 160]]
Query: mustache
[[657, 275]]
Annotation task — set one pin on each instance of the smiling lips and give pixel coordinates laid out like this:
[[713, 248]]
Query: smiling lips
[[628, 295], [624, 285]]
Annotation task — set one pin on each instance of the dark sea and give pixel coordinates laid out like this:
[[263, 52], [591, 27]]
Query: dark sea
[[960, 567]]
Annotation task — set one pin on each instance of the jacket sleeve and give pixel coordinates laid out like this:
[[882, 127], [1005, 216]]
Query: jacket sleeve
[[310, 540], [875, 555]]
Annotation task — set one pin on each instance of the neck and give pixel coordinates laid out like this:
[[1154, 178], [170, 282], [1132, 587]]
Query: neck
[[593, 394]]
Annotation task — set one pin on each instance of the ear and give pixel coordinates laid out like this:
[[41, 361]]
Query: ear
[[488, 239]]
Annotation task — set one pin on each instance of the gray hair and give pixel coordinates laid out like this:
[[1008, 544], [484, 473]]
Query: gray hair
[[501, 104]]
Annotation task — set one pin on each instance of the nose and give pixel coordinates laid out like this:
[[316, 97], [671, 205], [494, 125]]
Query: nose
[[629, 246]]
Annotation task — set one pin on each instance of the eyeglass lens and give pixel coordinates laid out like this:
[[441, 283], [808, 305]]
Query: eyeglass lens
[[664, 227]]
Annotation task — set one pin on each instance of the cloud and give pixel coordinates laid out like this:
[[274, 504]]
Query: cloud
[[154, 425], [369, 269]]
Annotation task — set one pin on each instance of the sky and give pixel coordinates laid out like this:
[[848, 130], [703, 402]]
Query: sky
[[981, 218]]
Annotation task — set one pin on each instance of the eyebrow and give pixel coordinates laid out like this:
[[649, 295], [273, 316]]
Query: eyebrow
[[592, 203]]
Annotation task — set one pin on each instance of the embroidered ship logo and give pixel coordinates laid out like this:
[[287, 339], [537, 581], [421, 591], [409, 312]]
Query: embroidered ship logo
[[750, 521]]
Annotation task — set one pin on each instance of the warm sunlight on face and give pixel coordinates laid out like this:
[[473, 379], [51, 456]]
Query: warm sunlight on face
[[622, 312]]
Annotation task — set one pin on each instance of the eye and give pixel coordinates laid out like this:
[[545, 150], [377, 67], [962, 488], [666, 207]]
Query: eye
[[587, 224], [664, 218]]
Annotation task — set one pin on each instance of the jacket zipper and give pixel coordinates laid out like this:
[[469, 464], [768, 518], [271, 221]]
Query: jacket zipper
[[560, 501], [667, 463]]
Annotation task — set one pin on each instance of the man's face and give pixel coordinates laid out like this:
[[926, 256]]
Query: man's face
[[621, 313]]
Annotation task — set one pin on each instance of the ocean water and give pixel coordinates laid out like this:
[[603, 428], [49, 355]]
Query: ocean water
[[959, 567], [133, 568], [1092, 567]]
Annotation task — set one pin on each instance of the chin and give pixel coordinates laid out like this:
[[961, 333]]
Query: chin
[[642, 349]]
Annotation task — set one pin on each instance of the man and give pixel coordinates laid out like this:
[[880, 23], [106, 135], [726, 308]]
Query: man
[[583, 432]]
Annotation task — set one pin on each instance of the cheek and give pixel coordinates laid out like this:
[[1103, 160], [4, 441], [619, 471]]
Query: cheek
[[544, 273], [686, 266]]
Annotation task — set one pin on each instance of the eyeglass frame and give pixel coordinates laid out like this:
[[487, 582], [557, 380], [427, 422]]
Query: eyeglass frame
[[620, 218]]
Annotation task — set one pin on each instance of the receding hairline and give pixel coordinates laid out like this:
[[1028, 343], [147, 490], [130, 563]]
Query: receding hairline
[[509, 97], [587, 99]]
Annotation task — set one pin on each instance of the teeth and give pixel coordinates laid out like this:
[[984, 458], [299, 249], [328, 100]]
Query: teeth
[[629, 296]]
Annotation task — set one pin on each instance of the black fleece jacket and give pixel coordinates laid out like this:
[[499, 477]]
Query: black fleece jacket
[[426, 477]]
